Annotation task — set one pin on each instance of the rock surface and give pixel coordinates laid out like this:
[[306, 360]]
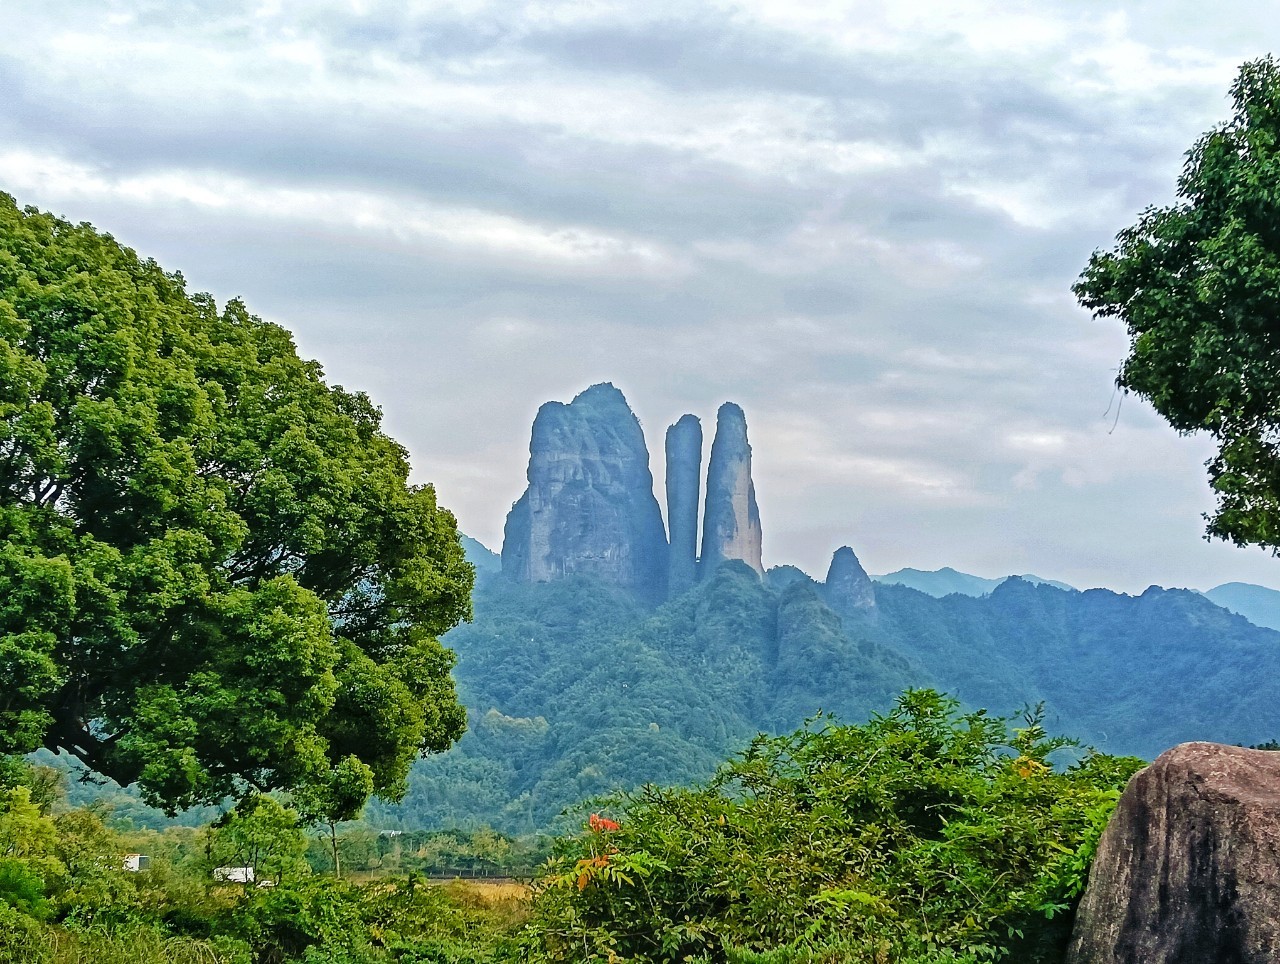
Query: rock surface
[[589, 508], [731, 521], [1188, 870], [684, 485], [848, 588]]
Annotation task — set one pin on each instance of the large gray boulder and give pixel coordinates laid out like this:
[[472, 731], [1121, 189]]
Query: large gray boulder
[[589, 508], [1188, 870], [731, 521], [684, 485]]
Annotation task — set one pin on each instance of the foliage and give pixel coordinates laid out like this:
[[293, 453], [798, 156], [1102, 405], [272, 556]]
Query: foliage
[[1198, 286], [93, 909], [576, 691], [327, 921], [260, 834], [925, 834], [214, 575], [482, 852]]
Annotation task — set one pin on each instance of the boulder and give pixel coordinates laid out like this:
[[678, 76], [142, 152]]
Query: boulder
[[1188, 869], [589, 508], [684, 484], [731, 520]]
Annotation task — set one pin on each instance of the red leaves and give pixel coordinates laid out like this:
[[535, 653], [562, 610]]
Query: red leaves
[[599, 824]]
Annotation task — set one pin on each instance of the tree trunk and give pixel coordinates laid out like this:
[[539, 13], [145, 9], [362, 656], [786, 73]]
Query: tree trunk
[[333, 839]]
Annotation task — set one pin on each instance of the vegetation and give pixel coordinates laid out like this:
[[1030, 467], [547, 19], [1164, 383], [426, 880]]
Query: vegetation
[[575, 691], [214, 576], [1198, 286], [924, 835], [66, 895]]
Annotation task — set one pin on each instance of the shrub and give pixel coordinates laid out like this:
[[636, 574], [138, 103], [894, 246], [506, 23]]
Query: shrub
[[923, 835]]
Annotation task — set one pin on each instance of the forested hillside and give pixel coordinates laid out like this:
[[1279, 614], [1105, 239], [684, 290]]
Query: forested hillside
[[575, 688]]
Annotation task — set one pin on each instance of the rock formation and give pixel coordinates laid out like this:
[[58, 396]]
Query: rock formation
[[589, 508], [684, 484], [848, 588], [731, 521], [1188, 870]]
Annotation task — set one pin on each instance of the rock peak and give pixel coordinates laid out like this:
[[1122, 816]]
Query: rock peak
[[848, 587], [589, 508], [684, 478], [731, 521]]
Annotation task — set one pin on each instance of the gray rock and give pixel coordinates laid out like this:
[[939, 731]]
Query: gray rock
[[848, 588], [684, 484], [589, 508], [1188, 870], [731, 521]]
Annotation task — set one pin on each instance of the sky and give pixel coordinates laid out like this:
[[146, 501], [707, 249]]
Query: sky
[[860, 221]]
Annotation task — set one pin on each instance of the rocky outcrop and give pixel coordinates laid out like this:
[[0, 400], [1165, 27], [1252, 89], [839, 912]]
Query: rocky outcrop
[[731, 520], [589, 508], [684, 485], [1188, 870], [848, 588]]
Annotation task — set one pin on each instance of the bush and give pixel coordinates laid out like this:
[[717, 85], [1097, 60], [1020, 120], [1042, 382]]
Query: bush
[[924, 835], [19, 935]]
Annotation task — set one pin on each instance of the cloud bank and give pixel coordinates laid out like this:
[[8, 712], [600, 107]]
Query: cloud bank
[[860, 221]]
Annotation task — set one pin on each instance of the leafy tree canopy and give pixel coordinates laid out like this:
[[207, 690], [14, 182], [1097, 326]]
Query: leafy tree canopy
[[1198, 285], [214, 575]]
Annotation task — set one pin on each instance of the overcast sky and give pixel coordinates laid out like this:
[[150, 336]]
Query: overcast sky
[[860, 221]]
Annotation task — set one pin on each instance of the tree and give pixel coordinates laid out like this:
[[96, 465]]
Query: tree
[[1198, 286], [214, 575], [341, 797], [261, 835]]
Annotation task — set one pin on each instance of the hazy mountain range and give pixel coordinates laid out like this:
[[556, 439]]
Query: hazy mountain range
[[1258, 604]]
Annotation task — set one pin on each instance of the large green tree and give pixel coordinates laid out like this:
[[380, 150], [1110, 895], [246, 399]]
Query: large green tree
[[1198, 285], [214, 575]]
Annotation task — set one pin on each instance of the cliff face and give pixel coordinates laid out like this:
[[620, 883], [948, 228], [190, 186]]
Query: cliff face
[[848, 588], [684, 484], [731, 522], [589, 508]]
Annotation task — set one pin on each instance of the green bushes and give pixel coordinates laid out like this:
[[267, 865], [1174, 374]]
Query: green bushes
[[924, 835]]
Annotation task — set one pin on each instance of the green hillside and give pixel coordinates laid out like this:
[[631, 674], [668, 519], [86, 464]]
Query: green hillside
[[575, 689]]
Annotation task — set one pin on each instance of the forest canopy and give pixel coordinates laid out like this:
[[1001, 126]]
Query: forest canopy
[[214, 574]]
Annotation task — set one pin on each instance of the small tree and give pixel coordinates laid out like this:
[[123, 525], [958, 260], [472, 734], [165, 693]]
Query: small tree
[[341, 797], [260, 834]]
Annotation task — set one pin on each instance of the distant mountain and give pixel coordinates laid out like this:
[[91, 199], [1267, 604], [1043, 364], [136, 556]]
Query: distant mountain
[[576, 687], [481, 556], [943, 582], [1258, 604]]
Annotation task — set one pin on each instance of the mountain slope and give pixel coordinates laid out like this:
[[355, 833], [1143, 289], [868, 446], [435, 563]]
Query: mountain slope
[[1258, 604], [575, 688]]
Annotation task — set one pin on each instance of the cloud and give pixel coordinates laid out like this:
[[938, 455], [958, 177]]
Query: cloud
[[859, 220]]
